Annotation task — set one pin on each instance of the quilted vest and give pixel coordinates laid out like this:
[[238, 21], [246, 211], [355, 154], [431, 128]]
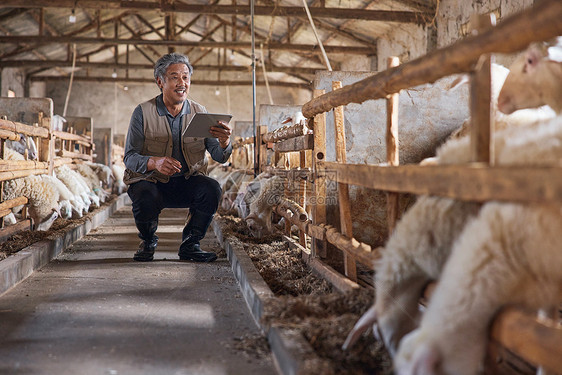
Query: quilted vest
[[158, 142]]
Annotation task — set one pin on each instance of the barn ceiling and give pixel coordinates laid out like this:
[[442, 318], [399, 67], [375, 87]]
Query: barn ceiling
[[120, 40]]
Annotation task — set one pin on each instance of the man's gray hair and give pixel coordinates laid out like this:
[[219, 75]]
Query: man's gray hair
[[165, 61]]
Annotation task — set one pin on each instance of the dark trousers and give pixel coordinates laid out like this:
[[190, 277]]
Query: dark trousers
[[198, 193]]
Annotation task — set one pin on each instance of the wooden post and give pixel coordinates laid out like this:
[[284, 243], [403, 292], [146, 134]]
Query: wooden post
[[302, 196], [343, 189], [261, 149], [482, 122], [319, 154], [47, 145], [392, 155]]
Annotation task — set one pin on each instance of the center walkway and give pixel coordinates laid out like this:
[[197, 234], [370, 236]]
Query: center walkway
[[96, 311]]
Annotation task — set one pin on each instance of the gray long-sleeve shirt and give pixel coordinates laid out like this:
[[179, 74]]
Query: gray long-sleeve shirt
[[135, 140]]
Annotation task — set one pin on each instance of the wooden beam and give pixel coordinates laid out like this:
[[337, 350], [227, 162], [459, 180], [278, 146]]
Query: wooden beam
[[18, 127], [150, 80], [63, 39], [346, 223], [536, 341], [20, 165], [392, 151], [11, 203], [509, 36], [112, 65], [303, 142], [240, 10], [10, 175], [471, 182]]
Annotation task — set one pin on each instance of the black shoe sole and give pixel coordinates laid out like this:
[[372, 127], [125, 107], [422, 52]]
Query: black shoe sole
[[143, 259], [200, 260]]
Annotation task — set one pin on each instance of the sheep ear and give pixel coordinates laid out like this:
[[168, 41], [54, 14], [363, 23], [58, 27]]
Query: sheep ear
[[427, 361]]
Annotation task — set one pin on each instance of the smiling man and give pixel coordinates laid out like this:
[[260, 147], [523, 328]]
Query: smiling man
[[167, 169]]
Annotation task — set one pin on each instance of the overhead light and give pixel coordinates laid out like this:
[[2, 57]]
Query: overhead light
[[72, 17], [217, 91], [126, 88], [114, 74]]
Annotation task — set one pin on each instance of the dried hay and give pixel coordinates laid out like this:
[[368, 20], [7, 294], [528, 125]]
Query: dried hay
[[308, 303]]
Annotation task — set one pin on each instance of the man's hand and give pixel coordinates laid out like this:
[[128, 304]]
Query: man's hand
[[165, 165], [222, 132]]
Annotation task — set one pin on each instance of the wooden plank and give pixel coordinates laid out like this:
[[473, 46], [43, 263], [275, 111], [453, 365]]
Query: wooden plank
[[481, 99], [472, 182], [18, 127], [74, 155], [534, 340], [304, 142], [9, 231], [392, 155], [359, 250], [10, 175], [17, 165], [71, 137], [260, 10], [65, 39], [511, 35], [319, 184], [11, 203], [62, 161], [302, 197], [350, 268], [8, 134]]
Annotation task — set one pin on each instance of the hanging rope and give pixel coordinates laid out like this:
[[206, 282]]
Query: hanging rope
[[71, 79], [328, 66], [265, 75]]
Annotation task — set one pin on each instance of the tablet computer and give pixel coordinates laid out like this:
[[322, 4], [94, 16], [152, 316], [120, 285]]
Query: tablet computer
[[200, 124]]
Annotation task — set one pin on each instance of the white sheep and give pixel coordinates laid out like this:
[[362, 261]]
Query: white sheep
[[494, 263], [259, 220], [104, 174], [42, 198], [76, 203], [118, 173], [92, 180], [71, 179], [413, 256], [535, 79]]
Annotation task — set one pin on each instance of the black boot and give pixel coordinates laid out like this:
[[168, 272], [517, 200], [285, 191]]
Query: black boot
[[147, 231], [193, 232]]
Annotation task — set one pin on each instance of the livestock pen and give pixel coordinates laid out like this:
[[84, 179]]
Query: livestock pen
[[514, 330]]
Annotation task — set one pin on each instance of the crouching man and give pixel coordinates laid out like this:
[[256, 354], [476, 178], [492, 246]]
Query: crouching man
[[165, 169]]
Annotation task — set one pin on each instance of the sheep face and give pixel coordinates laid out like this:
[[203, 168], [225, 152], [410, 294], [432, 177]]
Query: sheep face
[[535, 80], [258, 226], [396, 309]]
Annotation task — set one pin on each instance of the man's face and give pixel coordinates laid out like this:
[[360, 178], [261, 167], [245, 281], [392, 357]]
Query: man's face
[[175, 85]]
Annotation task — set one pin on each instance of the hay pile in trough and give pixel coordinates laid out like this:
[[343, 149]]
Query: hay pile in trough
[[308, 303], [23, 239]]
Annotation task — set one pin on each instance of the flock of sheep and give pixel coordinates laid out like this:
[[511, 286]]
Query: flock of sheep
[[485, 256], [67, 193]]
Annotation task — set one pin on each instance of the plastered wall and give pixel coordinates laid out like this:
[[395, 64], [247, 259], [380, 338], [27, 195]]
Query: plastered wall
[[12, 79], [427, 115]]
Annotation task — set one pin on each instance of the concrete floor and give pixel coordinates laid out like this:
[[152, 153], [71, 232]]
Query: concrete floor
[[96, 311]]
